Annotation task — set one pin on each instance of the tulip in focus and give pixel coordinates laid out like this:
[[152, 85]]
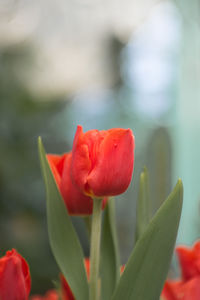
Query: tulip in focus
[[15, 280], [188, 286], [102, 161], [77, 203]]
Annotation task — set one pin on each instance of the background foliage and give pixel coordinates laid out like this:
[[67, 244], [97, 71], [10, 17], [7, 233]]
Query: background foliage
[[139, 72]]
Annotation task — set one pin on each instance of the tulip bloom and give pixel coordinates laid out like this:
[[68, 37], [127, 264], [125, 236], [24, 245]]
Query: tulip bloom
[[189, 259], [188, 286], [50, 295], [15, 280], [102, 161], [179, 290], [77, 203]]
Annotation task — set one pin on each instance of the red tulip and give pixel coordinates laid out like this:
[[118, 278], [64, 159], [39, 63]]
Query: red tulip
[[77, 203], [50, 295], [189, 259], [188, 286], [102, 161], [15, 280], [66, 293], [180, 290]]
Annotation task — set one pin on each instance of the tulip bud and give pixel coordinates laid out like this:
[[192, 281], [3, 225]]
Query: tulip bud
[[15, 280]]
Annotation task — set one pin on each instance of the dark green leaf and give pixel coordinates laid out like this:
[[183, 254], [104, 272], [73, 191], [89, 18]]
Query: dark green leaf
[[143, 205], [63, 239], [148, 264], [109, 264]]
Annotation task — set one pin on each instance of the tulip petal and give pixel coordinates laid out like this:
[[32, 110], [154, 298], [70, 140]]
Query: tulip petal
[[191, 289], [180, 290], [171, 290], [81, 163], [189, 260], [75, 200], [14, 272], [50, 295], [112, 172], [57, 164]]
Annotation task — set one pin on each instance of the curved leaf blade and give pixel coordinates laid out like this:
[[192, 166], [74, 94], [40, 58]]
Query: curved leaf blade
[[63, 239], [143, 212], [148, 264]]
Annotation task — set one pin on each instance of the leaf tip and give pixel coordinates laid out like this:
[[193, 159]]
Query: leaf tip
[[144, 174], [144, 169], [178, 191], [179, 185], [39, 140], [40, 144]]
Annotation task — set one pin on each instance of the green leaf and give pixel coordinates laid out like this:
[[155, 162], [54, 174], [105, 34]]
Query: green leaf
[[147, 267], [109, 263], [63, 239], [143, 213]]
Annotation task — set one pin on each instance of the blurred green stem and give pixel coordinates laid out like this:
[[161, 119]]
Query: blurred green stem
[[95, 250]]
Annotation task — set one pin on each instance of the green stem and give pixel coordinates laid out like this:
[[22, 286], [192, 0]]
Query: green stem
[[88, 224], [95, 250]]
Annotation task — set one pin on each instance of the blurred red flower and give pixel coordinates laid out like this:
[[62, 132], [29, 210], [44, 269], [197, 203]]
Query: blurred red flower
[[188, 286], [50, 295], [15, 280], [66, 293], [102, 161]]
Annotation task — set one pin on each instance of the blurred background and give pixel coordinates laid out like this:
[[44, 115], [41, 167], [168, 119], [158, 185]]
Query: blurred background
[[101, 64]]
